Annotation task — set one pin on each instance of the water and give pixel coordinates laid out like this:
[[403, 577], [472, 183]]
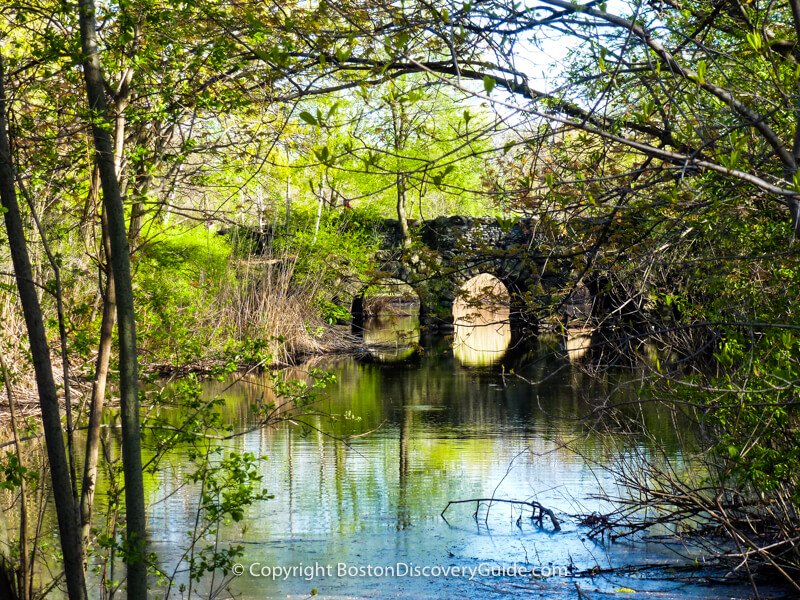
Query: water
[[426, 428]]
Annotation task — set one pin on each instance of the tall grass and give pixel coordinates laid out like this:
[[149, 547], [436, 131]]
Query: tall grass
[[264, 301], [203, 295]]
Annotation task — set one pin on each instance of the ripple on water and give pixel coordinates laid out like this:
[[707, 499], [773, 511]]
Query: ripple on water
[[439, 432]]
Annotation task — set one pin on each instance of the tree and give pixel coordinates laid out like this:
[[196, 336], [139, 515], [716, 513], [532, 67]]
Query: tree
[[136, 533], [639, 78], [407, 147], [66, 509]]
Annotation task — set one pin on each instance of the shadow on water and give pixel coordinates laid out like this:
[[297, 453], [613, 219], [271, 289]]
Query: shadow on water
[[421, 433]]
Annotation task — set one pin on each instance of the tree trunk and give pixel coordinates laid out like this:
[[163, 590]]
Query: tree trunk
[[62, 335], [319, 211], [20, 573], [102, 125], [400, 134], [90, 208], [66, 513], [288, 199], [104, 347], [140, 186], [401, 209], [98, 394]]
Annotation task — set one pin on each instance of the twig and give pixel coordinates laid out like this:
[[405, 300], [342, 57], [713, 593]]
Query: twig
[[533, 505]]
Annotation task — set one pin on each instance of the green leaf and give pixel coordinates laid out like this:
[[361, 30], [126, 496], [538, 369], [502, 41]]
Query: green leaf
[[308, 118], [343, 53], [701, 72], [754, 39], [332, 111], [796, 181], [488, 83], [323, 154], [402, 40]]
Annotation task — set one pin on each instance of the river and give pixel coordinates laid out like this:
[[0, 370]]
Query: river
[[361, 518]]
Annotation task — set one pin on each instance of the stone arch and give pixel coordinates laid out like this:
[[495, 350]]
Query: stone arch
[[384, 286], [484, 291], [481, 321], [522, 319], [451, 250]]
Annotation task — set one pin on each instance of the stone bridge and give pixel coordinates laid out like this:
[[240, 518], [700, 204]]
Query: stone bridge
[[446, 252]]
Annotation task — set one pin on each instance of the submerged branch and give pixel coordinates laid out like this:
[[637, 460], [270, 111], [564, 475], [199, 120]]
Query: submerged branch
[[534, 506]]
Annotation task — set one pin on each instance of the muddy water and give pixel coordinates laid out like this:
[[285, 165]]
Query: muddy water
[[362, 519]]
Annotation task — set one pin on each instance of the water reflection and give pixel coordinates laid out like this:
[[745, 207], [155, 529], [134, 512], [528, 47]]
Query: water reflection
[[416, 435], [391, 338], [482, 329], [484, 341], [419, 434]]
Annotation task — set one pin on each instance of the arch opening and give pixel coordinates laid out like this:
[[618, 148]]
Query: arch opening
[[386, 315], [481, 321], [390, 297], [576, 342]]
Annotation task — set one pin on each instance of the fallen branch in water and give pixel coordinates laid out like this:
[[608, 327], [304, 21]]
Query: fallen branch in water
[[534, 506]]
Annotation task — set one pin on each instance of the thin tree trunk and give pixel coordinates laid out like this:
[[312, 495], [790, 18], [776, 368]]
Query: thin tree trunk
[[401, 184], [288, 202], [288, 191], [98, 394], [126, 322], [319, 211], [97, 402], [259, 208], [139, 188], [90, 208], [401, 210], [62, 336], [40, 352], [22, 574]]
